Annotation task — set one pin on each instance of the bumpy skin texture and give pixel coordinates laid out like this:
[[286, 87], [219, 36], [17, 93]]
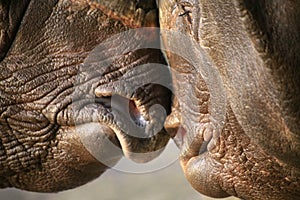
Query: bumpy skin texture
[[43, 47], [254, 46]]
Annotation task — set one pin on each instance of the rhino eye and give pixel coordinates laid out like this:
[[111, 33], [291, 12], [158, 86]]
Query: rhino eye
[[186, 8], [192, 13]]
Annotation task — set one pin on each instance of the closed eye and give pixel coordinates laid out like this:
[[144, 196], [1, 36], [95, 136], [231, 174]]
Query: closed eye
[[186, 8], [192, 13]]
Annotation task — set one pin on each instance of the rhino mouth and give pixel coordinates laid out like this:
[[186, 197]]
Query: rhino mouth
[[123, 123], [137, 125], [129, 106], [192, 146], [133, 121], [126, 107]]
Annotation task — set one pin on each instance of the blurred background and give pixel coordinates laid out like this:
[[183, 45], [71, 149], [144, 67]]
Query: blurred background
[[150, 181]]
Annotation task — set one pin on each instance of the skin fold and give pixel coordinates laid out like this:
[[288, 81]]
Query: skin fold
[[54, 118], [253, 46]]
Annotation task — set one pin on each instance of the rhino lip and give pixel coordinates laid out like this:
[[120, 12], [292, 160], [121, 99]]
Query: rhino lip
[[191, 145], [140, 135], [128, 107], [98, 110]]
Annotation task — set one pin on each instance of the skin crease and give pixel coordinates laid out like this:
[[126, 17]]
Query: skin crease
[[42, 53], [254, 46]]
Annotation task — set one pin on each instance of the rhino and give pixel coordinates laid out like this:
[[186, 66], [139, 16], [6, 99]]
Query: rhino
[[252, 152], [84, 83], [54, 116]]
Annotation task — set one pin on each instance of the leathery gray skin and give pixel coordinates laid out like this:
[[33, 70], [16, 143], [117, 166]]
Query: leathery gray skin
[[48, 96], [254, 46]]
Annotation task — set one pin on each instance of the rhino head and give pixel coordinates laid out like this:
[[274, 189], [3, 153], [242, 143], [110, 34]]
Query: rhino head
[[237, 83], [72, 103]]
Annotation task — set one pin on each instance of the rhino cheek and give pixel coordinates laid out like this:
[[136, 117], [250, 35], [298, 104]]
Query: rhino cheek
[[68, 165]]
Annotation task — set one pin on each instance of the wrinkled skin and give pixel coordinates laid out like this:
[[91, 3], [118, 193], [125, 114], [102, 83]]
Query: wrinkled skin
[[254, 47], [48, 98], [251, 150]]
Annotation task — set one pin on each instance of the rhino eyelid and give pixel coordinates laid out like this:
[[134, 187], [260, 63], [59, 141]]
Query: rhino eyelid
[[185, 6]]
